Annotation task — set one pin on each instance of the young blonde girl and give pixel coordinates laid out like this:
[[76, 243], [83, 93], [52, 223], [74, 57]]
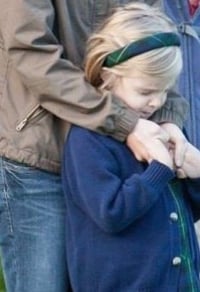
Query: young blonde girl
[[129, 224]]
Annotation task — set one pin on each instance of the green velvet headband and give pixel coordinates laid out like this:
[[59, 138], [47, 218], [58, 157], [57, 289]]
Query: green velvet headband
[[141, 46]]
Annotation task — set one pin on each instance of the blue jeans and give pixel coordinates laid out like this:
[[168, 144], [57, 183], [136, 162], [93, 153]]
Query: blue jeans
[[32, 231]]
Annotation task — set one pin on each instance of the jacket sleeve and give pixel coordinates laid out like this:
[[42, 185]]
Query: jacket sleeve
[[174, 110], [92, 180], [59, 86]]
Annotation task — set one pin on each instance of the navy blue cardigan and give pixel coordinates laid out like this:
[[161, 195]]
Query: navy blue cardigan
[[126, 231]]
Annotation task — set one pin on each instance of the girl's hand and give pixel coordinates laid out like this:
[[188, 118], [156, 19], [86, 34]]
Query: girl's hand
[[161, 153]]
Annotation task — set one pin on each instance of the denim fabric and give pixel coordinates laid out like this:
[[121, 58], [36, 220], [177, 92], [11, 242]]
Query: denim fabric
[[189, 85], [32, 229]]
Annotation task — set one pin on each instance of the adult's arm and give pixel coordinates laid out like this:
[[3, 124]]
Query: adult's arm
[[174, 110], [58, 85]]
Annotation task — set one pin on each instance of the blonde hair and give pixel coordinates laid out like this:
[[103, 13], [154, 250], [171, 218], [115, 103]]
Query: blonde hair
[[125, 25]]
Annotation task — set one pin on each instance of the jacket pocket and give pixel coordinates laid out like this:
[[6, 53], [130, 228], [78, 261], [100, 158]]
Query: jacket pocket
[[36, 113]]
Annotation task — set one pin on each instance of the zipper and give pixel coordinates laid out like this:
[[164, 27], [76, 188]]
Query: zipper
[[32, 114]]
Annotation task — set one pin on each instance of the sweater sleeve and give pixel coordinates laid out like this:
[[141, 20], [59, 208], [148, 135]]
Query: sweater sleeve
[[91, 179], [57, 84], [175, 110]]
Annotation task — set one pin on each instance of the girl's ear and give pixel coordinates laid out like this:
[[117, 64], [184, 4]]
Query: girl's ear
[[105, 74]]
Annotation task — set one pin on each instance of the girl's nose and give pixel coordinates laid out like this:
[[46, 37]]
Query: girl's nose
[[156, 102]]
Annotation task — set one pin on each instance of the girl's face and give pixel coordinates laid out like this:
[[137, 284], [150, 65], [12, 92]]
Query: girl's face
[[144, 95]]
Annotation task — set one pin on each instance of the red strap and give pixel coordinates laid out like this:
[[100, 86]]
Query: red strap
[[194, 4]]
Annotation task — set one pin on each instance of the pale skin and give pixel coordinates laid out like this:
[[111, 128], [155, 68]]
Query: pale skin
[[142, 142], [149, 140]]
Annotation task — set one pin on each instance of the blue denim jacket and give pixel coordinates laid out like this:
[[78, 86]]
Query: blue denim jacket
[[189, 83]]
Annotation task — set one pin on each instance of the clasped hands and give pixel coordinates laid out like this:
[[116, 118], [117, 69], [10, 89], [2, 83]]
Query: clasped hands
[[167, 144]]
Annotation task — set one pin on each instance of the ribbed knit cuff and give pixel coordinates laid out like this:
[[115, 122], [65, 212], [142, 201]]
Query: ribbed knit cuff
[[172, 112], [169, 117], [158, 175], [125, 124]]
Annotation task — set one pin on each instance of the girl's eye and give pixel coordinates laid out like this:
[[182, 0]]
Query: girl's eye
[[145, 92]]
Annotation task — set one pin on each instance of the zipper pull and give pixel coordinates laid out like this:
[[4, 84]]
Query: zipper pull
[[21, 125]]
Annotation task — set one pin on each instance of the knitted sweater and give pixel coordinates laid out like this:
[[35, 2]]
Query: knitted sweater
[[126, 231]]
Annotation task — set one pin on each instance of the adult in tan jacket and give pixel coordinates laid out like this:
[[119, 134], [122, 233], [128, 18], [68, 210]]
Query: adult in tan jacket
[[43, 91]]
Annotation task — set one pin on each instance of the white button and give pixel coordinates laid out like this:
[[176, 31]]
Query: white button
[[173, 216], [176, 261]]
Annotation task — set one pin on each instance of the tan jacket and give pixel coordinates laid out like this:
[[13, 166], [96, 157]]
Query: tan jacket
[[42, 88]]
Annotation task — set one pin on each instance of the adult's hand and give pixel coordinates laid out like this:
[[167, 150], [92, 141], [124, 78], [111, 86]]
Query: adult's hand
[[191, 164], [144, 139], [180, 142]]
